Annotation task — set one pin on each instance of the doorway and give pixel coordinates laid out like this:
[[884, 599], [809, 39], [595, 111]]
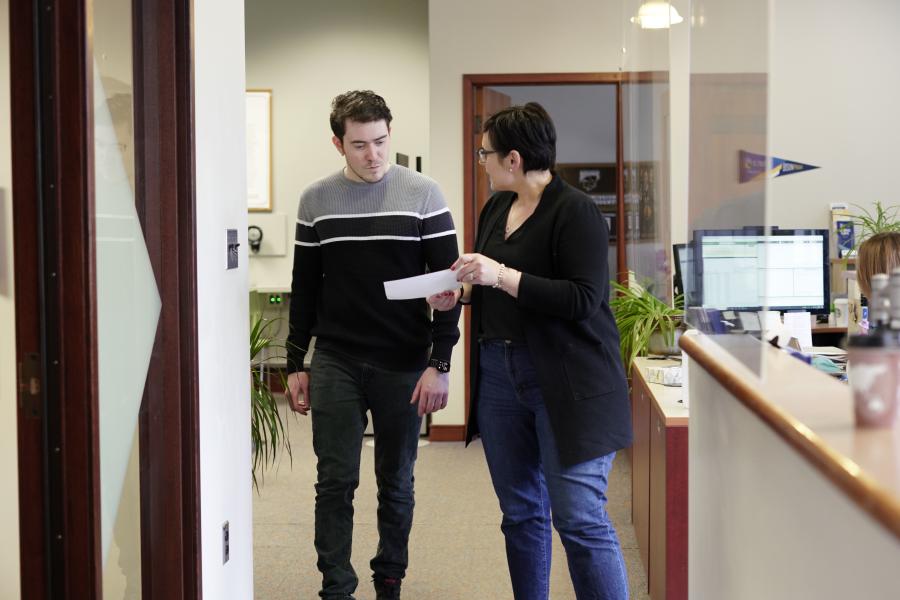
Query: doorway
[[600, 150]]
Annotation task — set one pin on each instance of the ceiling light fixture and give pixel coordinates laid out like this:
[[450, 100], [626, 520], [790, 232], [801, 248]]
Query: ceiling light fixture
[[656, 14]]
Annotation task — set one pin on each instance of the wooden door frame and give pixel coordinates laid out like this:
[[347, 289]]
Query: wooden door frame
[[472, 81], [56, 305]]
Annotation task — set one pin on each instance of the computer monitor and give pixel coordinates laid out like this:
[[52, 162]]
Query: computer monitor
[[741, 269], [683, 279]]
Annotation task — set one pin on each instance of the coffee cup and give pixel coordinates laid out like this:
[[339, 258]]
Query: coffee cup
[[873, 368], [841, 312]]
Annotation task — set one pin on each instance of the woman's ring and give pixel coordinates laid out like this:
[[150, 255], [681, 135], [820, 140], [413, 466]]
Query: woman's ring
[[471, 276]]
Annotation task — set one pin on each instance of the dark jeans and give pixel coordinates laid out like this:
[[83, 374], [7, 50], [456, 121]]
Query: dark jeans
[[532, 484], [341, 389]]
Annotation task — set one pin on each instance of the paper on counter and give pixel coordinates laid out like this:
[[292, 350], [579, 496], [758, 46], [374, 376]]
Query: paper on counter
[[799, 326], [421, 286]]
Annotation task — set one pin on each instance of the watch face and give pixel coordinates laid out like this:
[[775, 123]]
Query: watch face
[[442, 366]]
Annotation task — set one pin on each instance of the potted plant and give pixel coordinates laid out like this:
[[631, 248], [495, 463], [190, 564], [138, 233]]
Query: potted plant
[[268, 432], [639, 316], [882, 220]]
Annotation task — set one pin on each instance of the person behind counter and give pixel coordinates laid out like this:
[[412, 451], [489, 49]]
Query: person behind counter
[[550, 398], [878, 254]]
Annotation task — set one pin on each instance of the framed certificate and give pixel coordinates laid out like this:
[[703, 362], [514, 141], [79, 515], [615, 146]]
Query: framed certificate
[[259, 150]]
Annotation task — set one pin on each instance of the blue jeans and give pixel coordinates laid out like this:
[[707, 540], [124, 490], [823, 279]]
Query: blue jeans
[[531, 484], [341, 389]]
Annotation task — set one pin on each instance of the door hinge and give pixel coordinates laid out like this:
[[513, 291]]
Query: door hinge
[[30, 388]]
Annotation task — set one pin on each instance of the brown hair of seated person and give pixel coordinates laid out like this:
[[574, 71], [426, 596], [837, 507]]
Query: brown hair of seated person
[[878, 254]]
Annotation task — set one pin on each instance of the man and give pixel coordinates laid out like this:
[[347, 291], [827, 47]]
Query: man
[[369, 223]]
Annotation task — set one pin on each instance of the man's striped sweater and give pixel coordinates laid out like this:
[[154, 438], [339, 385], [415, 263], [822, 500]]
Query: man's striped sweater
[[350, 238]]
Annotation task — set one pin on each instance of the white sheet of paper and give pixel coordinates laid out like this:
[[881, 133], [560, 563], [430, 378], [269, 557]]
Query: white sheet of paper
[[825, 351], [749, 320], [421, 286], [798, 326]]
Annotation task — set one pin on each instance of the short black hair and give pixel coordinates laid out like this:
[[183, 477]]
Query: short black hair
[[527, 129], [362, 106]]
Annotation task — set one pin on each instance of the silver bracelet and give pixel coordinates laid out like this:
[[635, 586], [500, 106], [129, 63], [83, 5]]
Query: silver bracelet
[[499, 284]]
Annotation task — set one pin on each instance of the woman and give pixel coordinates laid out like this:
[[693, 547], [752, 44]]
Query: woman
[[550, 401], [878, 254]]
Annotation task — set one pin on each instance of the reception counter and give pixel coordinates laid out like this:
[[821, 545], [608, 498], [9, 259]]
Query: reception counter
[[787, 498]]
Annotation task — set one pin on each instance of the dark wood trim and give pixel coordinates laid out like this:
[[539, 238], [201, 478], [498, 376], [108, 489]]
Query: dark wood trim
[[56, 303], [170, 499], [447, 433], [469, 216], [33, 535], [481, 79], [621, 257]]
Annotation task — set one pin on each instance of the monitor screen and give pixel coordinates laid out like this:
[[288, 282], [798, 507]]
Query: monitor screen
[[741, 269], [683, 280]]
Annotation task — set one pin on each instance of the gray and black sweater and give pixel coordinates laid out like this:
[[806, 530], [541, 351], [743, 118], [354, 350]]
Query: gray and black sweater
[[351, 237]]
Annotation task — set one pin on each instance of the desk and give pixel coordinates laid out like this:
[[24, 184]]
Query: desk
[[660, 481], [829, 335]]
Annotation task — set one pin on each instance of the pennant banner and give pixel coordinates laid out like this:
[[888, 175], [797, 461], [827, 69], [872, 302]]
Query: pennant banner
[[753, 166]]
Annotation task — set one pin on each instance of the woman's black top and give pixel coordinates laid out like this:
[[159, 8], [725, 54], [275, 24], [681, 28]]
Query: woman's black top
[[500, 314], [563, 312]]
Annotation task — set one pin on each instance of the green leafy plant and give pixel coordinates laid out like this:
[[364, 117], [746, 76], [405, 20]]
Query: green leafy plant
[[639, 314], [881, 220], [268, 431]]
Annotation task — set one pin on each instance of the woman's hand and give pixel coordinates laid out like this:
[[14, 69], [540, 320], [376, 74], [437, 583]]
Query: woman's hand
[[445, 301], [476, 269]]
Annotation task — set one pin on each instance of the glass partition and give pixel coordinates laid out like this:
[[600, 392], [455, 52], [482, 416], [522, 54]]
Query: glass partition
[[725, 261], [128, 302], [645, 146]]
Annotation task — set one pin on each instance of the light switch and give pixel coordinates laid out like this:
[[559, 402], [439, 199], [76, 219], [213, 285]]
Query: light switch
[[231, 248]]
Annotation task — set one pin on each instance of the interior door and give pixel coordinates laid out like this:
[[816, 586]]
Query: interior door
[[106, 299], [487, 102]]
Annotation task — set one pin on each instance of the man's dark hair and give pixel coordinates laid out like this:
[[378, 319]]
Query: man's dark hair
[[362, 106], [527, 129]]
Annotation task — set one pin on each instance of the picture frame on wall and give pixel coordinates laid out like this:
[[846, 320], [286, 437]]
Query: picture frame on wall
[[259, 150]]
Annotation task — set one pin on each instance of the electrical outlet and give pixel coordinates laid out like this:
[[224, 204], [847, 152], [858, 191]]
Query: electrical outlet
[[226, 548], [231, 248]]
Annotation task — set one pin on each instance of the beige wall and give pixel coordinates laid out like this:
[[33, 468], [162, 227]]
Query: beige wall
[[309, 52], [833, 95], [9, 499]]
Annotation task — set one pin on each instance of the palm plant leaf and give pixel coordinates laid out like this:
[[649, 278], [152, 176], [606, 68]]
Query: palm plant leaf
[[638, 315], [268, 431]]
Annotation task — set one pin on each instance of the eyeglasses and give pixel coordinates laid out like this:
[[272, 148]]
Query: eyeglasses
[[483, 154]]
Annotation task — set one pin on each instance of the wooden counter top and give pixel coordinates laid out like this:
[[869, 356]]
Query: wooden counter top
[[667, 398], [813, 413]]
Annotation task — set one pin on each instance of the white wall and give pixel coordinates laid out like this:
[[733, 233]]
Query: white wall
[[9, 474], [833, 100], [530, 36], [223, 324], [308, 53]]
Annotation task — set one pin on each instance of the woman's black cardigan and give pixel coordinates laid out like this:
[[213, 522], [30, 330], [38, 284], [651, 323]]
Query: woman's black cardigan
[[569, 327]]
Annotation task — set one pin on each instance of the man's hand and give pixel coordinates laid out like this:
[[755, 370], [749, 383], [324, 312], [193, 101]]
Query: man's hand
[[298, 392], [445, 301], [431, 391]]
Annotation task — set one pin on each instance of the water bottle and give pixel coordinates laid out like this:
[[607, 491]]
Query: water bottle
[[879, 303]]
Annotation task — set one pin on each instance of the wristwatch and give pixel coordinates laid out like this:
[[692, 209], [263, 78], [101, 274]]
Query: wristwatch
[[442, 366]]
